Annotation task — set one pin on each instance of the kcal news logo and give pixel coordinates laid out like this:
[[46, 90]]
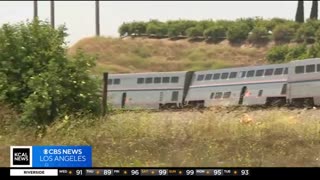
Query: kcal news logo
[[51, 156], [21, 156]]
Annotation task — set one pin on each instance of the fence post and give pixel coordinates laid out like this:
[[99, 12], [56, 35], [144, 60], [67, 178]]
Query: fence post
[[104, 94]]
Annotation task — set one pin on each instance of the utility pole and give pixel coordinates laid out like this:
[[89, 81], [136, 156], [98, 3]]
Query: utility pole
[[52, 13], [35, 9], [97, 19]]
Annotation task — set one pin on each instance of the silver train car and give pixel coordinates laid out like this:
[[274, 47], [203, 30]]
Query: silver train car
[[253, 85], [147, 90], [304, 82]]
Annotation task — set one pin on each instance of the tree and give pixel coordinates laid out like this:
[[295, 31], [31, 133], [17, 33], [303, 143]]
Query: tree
[[300, 12], [314, 10], [38, 78]]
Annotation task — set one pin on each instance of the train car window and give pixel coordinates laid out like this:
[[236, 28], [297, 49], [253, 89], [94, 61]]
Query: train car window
[[157, 80], [116, 81], [174, 96], [110, 81], [260, 93], [208, 77], [218, 95], [259, 72], [268, 72], [278, 71], [149, 80], [243, 74], [299, 69], [311, 68], [224, 75], [140, 80], [175, 79], [233, 75], [318, 67], [284, 89], [250, 73], [226, 95], [216, 76], [212, 95], [285, 71], [200, 77], [165, 80]]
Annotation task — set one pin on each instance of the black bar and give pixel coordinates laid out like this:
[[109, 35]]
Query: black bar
[[179, 171]]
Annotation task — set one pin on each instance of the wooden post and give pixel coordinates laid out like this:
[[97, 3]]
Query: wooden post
[[97, 19], [105, 94], [52, 13], [35, 9]]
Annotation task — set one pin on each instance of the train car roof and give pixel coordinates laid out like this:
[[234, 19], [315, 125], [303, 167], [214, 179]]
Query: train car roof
[[245, 68], [147, 73], [302, 61]]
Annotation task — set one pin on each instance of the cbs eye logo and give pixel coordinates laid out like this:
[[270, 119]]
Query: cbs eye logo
[[20, 156]]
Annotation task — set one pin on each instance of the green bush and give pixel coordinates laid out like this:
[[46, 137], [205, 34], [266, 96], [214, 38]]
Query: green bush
[[125, 29], [215, 33], [238, 32], [283, 33], [297, 52], [277, 54], [314, 51], [138, 28], [175, 29], [38, 78], [157, 28], [306, 33], [194, 32], [250, 22], [317, 36], [258, 35]]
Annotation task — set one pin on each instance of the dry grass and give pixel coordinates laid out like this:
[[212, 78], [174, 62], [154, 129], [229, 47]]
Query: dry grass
[[216, 137], [143, 55]]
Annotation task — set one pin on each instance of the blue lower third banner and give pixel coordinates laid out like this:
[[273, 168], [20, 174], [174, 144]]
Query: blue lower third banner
[[61, 156]]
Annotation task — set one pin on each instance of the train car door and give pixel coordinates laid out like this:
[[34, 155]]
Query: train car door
[[243, 92], [123, 100]]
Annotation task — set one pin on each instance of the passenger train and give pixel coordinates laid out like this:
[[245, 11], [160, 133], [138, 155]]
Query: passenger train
[[296, 82]]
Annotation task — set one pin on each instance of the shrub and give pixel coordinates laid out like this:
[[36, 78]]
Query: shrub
[[258, 34], [215, 33], [138, 28], [297, 52], [40, 80], [317, 36], [157, 28], [194, 32], [306, 33], [283, 33], [277, 53], [125, 29], [175, 29], [314, 51], [238, 32]]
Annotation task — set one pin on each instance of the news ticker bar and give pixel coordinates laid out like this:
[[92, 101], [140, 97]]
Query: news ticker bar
[[129, 172], [160, 172]]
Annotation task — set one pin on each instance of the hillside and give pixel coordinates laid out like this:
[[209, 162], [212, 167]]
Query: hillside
[[142, 55]]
